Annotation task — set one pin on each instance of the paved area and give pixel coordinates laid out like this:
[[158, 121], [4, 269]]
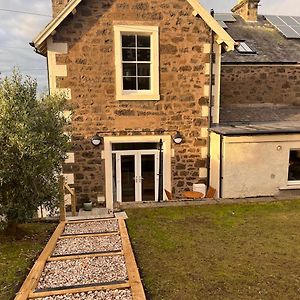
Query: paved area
[[185, 202], [95, 213]]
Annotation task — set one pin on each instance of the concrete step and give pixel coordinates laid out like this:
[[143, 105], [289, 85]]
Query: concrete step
[[95, 213]]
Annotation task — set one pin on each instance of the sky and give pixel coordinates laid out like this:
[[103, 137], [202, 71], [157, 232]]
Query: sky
[[18, 29]]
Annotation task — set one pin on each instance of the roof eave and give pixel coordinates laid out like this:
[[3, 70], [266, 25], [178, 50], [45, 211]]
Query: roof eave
[[39, 41], [222, 36]]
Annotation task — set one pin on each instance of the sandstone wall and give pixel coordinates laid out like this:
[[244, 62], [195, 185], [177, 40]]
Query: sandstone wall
[[91, 78], [58, 6], [278, 85]]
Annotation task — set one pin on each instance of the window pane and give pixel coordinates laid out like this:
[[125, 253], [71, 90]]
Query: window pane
[[244, 48], [129, 55], [143, 69], [129, 83], [143, 55], [128, 41], [143, 41], [129, 69], [144, 83], [294, 165], [240, 48], [247, 48]]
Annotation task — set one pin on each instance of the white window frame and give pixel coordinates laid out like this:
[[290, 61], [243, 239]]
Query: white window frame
[[292, 182], [138, 172], [153, 93]]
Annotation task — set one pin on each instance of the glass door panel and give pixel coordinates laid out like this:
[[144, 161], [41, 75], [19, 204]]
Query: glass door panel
[[137, 175], [128, 178], [148, 177]]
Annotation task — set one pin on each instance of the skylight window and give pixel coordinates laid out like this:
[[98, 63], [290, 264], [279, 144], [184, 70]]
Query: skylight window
[[244, 48]]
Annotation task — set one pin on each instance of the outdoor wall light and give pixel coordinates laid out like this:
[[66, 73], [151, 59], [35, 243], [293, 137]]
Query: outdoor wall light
[[177, 138], [97, 140]]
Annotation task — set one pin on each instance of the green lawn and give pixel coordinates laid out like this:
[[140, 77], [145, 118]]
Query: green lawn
[[17, 255], [246, 251]]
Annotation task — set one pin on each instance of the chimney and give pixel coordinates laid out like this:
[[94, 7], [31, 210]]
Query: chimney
[[247, 9], [58, 6]]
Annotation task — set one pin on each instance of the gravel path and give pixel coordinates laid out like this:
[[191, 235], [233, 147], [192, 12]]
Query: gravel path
[[91, 227], [88, 245], [83, 271], [99, 295]]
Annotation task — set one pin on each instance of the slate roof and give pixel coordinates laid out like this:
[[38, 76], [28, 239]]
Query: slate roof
[[270, 45], [258, 128], [253, 112]]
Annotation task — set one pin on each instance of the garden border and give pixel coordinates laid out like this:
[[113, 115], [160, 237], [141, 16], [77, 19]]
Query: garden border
[[33, 277]]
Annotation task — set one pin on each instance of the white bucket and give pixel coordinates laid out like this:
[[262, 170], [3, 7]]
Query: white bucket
[[200, 188]]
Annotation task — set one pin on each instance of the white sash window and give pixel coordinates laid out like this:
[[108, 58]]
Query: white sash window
[[137, 62]]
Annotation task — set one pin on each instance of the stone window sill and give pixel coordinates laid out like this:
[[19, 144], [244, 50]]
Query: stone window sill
[[291, 187]]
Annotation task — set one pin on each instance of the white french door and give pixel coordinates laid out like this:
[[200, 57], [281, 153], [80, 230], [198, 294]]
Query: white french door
[[137, 176]]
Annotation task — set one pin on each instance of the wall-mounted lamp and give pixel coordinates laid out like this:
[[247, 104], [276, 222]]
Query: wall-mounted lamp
[[177, 138], [97, 140]]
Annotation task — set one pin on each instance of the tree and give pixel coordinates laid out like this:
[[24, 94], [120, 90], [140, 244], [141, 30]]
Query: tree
[[32, 148]]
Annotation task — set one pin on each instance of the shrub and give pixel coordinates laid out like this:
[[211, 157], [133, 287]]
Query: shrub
[[32, 147]]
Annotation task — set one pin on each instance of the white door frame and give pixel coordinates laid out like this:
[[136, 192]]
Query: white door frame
[[107, 155], [138, 172], [119, 155]]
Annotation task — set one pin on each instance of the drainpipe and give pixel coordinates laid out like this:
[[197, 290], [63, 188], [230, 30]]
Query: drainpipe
[[160, 171], [48, 77], [221, 167], [210, 103]]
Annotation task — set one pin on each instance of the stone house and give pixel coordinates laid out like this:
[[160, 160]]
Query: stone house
[[137, 73], [258, 134], [144, 79]]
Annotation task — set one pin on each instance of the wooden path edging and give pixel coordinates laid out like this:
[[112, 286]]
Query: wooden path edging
[[78, 256], [33, 277], [90, 220], [27, 290], [78, 290], [71, 236], [137, 289]]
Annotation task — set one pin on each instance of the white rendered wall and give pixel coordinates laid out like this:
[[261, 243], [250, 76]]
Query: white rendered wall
[[257, 166], [215, 162]]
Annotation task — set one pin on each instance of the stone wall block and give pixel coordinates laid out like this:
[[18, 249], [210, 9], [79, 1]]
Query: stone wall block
[[259, 85]]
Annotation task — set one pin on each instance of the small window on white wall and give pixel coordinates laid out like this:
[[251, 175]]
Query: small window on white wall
[[294, 167], [137, 62]]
